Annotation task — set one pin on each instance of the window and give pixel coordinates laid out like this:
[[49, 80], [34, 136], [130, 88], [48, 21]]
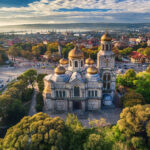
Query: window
[[109, 78], [81, 63], [76, 91], [64, 94], [60, 94], [106, 47], [104, 78], [95, 93], [107, 81], [76, 64], [92, 93], [104, 85]]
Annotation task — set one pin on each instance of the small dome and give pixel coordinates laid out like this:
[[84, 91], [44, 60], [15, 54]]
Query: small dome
[[92, 70], [63, 61], [89, 61], [75, 53], [60, 70], [106, 37]]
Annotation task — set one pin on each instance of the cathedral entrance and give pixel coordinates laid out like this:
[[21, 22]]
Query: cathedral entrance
[[77, 105]]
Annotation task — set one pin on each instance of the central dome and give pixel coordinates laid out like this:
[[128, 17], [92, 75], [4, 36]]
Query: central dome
[[75, 53], [63, 61], [92, 70], [89, 61], [106, 37], [60, 70]]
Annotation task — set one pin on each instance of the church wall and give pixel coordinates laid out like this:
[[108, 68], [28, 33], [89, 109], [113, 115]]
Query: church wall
[[94, 104], [61, 105]]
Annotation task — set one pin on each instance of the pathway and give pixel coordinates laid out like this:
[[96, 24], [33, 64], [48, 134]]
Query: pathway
[[32, 110]]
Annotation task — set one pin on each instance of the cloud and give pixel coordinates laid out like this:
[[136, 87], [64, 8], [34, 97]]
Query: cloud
[[78, 11]]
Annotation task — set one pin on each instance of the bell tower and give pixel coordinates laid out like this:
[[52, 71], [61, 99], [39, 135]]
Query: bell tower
[[106, 65]]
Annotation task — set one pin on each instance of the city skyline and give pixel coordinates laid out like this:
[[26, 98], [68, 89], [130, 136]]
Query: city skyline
[[73, 11]]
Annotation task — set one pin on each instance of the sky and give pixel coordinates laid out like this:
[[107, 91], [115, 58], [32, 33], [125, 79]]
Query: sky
[[14, 12]]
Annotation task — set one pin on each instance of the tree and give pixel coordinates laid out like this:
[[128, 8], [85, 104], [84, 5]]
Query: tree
[[11, 110], [94, 142], [40, 81], [133, 124], [131, 98], [13, 51], [127, 79], [29, 76], [142, 85], [39, 132], [147, 51], [66, 49], [52, 47]]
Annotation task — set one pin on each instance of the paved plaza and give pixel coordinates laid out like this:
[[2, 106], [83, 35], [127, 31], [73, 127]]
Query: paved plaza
[[112, 115]]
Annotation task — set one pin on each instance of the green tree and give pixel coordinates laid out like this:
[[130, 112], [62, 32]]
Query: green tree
[[133, 124], [39, 132], [131, 98], [142, 85], [94, 142], [147, 51], [29, 76]]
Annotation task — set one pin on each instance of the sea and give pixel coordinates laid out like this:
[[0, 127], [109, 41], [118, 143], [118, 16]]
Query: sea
[[75, 27]]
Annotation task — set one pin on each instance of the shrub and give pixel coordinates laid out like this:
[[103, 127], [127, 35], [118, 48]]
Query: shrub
[[39, 102]]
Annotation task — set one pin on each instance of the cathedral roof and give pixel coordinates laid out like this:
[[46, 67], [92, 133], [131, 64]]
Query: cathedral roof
[[92, 70], [60, 70], [76, 75], [75, 53], [106, 37], [89, 61], [63, 61]]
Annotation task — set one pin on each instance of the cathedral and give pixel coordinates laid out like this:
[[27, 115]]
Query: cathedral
[[79, 84]]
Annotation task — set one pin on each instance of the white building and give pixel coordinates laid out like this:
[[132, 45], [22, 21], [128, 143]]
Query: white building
[[82, 85]]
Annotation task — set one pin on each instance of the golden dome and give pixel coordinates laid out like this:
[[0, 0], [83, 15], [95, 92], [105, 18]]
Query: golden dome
[[89, 61], [92, 70], [106, 37], [63, 61], [60, 70], [75, 53]]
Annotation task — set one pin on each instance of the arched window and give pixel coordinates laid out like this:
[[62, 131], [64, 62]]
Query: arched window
[[108, 77], [105, 76], [76, 64], [76, 91], [107, 81]]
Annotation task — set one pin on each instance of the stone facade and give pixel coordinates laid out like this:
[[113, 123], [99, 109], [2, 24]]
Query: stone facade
[[79, 86]]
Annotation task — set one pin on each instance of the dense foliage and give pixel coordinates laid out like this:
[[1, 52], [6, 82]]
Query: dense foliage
[[39, 102], [3, 55], [14, 102], [131, 98], [140, 82], [41, 132]]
